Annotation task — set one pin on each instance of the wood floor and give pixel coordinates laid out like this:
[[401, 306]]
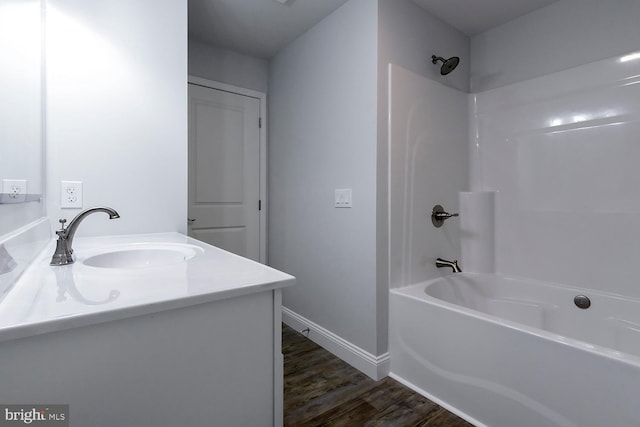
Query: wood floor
[[322, 390]]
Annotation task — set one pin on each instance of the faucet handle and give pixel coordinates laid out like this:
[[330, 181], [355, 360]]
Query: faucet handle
[[439, 215], [62, 222]]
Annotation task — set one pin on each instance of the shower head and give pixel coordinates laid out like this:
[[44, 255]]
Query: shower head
[[448, 65]]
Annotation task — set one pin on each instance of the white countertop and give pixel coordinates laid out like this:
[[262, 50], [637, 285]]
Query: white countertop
[[48, 299]]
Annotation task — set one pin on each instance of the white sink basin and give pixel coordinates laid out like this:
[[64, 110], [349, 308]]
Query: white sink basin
[[143, 255]]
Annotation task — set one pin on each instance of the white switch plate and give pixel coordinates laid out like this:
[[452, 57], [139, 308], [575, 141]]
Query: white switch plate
[[71, 194], [343, 198], [14, 190]]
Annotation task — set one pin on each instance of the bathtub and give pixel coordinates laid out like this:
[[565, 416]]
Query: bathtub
[[505, 352]]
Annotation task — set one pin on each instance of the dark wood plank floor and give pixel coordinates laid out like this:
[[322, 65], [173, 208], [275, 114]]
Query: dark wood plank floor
[[322, 390]]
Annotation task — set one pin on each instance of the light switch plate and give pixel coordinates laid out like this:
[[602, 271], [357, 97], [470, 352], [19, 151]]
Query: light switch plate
[[343, 198]]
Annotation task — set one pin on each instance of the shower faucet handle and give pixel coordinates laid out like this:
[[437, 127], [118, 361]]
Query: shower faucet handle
[[439, 215]]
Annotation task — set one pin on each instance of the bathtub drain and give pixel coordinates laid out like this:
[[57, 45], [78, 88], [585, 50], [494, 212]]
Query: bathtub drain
[[582, 301]]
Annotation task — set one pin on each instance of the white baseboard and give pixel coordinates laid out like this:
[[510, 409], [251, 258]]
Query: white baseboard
[[375, 367]]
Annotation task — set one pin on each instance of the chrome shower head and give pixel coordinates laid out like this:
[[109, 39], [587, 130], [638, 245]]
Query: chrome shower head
[[448, 65]]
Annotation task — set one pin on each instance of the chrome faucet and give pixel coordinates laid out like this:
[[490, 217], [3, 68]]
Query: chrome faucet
[[64, 252], [444, 263]]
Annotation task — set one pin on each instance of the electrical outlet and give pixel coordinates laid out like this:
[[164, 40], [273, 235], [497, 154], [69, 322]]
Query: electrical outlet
[[71, 194], [343, 198], [14, 190]]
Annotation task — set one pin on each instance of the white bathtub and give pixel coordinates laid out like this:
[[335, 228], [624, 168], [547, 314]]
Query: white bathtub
[[504, 352]]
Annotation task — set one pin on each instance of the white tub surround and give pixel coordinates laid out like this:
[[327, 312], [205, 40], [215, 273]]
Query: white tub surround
[[428, 165], [477, 231], [193, 342], [502, 352], [562, 152]]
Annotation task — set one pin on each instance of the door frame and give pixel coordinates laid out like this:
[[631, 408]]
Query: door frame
[[262, 97]]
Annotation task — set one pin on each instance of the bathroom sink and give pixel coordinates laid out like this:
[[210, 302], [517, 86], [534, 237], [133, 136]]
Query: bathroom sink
[[143, 255]]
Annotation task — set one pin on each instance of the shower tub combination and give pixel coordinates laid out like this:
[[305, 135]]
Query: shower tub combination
[[505, 352]]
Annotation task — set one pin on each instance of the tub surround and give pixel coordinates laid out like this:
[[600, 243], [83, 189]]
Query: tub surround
[[561, 151], [536, 144], [176, 342], [428, 166], [477, 231]]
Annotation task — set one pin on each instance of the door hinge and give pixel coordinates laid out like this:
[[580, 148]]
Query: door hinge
[[259, 205], [260, 122]]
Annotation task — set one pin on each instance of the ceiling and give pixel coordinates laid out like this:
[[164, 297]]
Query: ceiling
[[475, 16], [258, 28], [261, 28]]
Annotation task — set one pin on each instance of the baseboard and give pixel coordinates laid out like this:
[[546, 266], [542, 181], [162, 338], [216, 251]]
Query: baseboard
[[375, 367]]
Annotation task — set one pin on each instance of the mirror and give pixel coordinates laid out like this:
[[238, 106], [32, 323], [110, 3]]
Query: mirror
[[21, 113]]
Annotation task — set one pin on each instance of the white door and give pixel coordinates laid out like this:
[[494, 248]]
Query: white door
[[224, 170]]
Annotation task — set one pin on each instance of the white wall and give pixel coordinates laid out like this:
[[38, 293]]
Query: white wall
[[322, 136], [225, 66], [557, 37], [117, 111], [21, 88], [21, 142]]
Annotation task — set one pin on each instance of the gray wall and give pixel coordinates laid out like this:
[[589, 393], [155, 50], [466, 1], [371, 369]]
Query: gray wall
[[328, 129], [322, 136], [557, 37], [228, 67]]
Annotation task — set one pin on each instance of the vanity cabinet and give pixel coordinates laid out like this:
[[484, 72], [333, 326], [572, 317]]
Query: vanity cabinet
[[195, 343], [212, 364]]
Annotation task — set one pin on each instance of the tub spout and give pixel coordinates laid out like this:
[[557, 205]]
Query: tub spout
[[444, 263], [64, 251]]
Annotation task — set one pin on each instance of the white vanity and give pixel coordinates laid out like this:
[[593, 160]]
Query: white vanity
[[146, 330]]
